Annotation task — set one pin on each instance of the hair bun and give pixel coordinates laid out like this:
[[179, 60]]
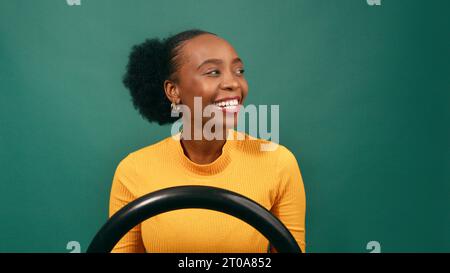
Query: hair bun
[[149, 65]]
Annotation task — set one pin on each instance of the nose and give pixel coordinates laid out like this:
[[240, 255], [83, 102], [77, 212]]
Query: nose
[[229, 82]]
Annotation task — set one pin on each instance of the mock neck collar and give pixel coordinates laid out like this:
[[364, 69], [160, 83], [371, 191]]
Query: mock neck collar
[[213, 168]]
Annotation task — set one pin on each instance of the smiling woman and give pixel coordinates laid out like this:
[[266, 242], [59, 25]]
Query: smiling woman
[[177, 71]]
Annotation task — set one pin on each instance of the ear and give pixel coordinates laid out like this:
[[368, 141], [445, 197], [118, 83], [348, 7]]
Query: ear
[[172, 91]]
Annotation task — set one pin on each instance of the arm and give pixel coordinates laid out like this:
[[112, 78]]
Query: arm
[[290, 204], [123, 191]]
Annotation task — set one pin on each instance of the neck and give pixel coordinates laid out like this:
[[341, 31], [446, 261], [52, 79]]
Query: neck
[[203, 151]]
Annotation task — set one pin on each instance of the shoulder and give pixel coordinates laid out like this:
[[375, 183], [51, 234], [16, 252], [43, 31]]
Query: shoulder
[[263, 147], [278, 157], [285, 156], [129, 169], [155, 150]]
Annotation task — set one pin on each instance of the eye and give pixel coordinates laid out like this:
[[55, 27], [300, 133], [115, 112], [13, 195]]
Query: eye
[[241, 71], [213, 72]]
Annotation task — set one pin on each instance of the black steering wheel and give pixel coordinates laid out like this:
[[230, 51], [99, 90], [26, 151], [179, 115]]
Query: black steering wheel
[[184, 197]]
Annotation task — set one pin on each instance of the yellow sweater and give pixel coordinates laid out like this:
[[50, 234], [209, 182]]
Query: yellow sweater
[[271, 178]]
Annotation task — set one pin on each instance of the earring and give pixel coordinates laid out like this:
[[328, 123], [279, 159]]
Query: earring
[[174, 107]]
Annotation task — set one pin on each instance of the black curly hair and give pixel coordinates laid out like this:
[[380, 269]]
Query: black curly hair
[[149, 65]]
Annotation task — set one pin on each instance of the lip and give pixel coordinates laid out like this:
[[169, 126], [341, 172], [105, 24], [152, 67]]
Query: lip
[[229, 98]]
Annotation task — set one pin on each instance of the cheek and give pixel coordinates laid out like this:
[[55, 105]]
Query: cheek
[[205, 88], [198, 87]]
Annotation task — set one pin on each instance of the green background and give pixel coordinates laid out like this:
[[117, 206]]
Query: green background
[[364, 105]]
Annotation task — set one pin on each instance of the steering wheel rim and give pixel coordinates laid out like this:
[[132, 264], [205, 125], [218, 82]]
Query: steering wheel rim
[[193, 196]]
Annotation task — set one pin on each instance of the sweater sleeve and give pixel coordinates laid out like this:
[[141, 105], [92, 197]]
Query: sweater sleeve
[[123, 191], [290, 204]]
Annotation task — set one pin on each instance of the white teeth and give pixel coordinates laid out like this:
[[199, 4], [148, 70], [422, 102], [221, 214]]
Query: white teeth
[[227, 103]]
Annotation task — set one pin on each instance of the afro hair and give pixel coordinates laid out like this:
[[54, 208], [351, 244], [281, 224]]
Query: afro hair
[[149, 65]]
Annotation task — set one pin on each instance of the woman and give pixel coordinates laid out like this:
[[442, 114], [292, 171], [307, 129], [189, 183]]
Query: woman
[[166, 74]]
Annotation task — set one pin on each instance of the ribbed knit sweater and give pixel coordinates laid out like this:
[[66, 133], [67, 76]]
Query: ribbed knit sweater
[[270, 178]]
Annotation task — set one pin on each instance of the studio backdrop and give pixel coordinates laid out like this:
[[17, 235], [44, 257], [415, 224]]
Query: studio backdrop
[[363, 89]]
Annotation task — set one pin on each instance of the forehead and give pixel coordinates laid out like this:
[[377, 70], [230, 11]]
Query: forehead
[[207, 46]]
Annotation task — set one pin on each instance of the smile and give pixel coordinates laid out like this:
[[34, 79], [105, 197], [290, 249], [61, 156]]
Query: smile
[[229, 106]]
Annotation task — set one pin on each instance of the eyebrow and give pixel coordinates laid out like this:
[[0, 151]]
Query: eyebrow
[[219, 61]]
